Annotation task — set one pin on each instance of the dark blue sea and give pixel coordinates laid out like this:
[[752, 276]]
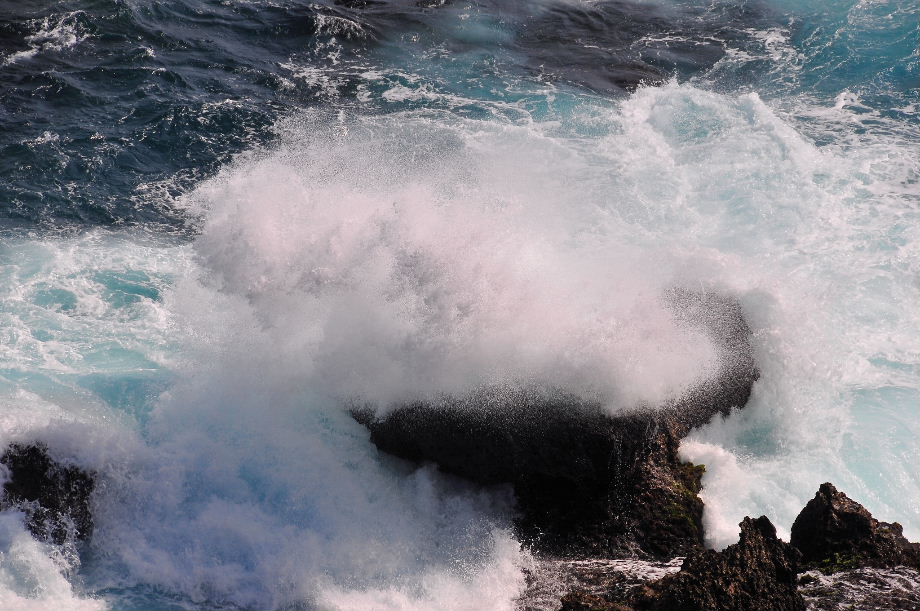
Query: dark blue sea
[[221, 221]]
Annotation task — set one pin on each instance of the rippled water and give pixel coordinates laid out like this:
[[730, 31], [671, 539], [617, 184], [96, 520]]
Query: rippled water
[[218, 219]]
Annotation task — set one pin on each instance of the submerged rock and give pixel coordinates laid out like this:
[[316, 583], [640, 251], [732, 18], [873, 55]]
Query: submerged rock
[[55, 497], [588, 483], [758, 572], [836, 533]]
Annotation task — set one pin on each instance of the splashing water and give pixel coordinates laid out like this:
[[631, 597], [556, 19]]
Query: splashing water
[[405, 211]]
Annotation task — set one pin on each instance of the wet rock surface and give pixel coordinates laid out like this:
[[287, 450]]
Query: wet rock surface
[[836, 533], [602, 496], [758, 572], [587, 483], [867, 589], [592, 584], [858, 563], [605, 585], [54, 496]]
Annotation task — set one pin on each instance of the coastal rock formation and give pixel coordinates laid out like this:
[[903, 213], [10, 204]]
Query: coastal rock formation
[[857, 562], [587, 483], [55, 497], [836, 533], [758, 572]]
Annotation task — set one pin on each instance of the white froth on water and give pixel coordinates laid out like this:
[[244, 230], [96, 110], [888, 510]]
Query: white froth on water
[[53, 35], [240, 486], [397, 256], [411, 258], [821, 245], [33, 576]]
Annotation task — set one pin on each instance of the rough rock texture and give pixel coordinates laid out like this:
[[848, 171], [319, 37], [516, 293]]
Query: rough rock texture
[[757, 573], [868, 589], [54, 497], [587, 483], [836, 533], [582, 601], [606, 585], [598, 583]]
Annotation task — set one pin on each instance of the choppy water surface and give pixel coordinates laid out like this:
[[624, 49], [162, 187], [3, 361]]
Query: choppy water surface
[[218, 219]]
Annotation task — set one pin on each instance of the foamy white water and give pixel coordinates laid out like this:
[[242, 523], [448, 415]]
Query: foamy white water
[[395, 256]]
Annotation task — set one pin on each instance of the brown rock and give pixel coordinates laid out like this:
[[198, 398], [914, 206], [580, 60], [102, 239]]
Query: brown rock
[[582, 601], [836, 533], [756, 574]]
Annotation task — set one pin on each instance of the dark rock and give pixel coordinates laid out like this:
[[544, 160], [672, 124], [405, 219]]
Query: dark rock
[[597, 583], [757, 573], [55, 497], [582, 601], [666, 518], [866, 589], [858, 562], [588, 483], [836, 533], [579, 475]]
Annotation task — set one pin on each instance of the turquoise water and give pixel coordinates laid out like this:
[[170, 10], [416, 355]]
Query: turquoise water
[[222, 220]]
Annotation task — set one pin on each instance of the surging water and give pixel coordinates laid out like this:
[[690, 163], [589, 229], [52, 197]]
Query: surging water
[[449, 216]]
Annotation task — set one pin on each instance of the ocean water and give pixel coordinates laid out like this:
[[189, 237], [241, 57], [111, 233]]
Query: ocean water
[[220, 221]]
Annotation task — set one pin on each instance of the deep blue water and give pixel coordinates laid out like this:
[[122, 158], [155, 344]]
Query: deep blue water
[[142, 100], [219, 218]]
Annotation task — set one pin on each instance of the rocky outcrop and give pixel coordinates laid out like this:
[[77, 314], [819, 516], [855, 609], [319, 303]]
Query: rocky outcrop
[[587, 483], [834, 533], [856, 562], [55, 497], [758, 572]]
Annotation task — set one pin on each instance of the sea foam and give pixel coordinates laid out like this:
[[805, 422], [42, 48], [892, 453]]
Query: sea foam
[[397, 256]]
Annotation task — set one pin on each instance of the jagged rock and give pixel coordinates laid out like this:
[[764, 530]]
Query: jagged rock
[[857, 561], [54, 497], [836, 533], [587, 483], [757, 573]]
